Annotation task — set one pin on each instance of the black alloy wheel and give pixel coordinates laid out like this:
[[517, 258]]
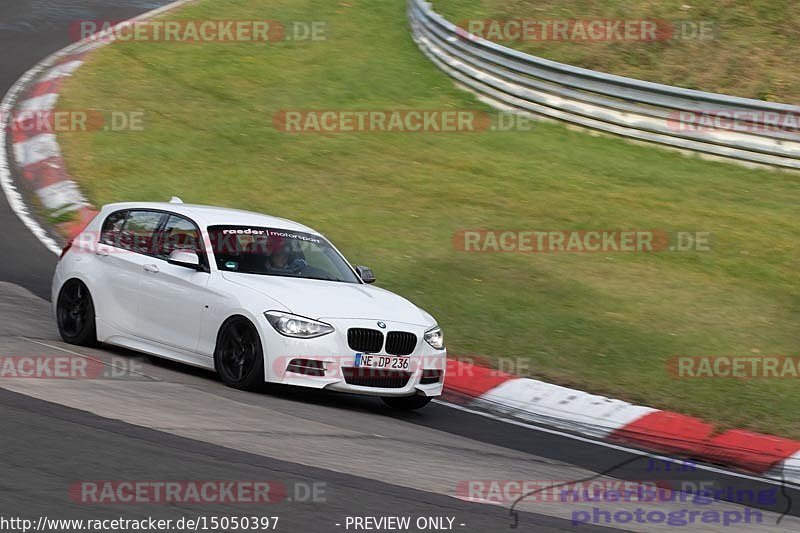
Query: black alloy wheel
[[239, 357], [75, 314]]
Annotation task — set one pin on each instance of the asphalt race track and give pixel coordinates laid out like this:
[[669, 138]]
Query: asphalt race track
[[141, 419]]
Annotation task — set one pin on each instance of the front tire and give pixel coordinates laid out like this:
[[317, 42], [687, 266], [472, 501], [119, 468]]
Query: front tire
[[406, 403], [75, 314], [239, 356]]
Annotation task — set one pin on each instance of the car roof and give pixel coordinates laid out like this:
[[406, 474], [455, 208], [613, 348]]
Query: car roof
[[206, 215]]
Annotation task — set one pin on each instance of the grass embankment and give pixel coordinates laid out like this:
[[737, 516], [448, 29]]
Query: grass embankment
[[603, 322], [752, 50]]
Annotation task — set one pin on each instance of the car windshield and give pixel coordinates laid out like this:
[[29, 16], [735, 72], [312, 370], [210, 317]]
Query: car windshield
[[277, 252]]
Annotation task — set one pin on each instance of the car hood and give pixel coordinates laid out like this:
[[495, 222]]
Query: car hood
[[327, 299]]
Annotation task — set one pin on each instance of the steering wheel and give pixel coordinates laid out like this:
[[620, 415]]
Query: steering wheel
[[298, 265]]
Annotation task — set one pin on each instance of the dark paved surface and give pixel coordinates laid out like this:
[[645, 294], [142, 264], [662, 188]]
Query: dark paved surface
[[38, 471]]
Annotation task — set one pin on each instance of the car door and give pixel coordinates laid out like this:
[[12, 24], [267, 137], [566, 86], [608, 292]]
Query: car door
[[173, 298], [123, 249]]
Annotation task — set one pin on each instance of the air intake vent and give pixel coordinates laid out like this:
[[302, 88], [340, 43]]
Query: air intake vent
[[365, 340], [309, 367], [373, 377], [429, 377], [400, 343]]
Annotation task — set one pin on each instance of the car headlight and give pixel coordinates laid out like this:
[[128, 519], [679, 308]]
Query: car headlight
[[435, 338], [297, 326]]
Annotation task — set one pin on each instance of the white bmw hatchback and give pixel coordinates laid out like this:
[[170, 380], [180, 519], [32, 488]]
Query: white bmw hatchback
[[256, 298]]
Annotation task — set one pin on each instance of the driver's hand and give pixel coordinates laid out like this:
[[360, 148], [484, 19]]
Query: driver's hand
[[298, 265]]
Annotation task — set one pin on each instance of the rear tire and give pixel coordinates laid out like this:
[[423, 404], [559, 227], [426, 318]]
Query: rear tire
[[239, 356], [75, 314], [406, 403]]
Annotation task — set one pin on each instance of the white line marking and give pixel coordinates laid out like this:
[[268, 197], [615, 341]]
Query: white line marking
[[13, 196], [612, 446], [63, 196], [44, 102], [89, 357], [62, 70], [569, 409], [36, 149], [481, 501]]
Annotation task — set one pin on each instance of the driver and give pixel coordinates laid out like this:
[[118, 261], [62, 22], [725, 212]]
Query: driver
[[283, 257], [279, 258]]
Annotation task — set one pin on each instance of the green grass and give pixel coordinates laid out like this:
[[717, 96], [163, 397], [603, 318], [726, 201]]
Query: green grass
[[753, 52], [603, 322]]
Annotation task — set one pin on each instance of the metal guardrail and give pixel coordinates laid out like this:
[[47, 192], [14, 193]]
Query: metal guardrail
[[757, 131]]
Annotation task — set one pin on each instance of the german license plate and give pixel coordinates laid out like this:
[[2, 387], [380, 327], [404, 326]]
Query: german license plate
[[384, 362]]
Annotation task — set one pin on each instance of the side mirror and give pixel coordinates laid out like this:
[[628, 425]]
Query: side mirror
[[186, 259], [366, 274]]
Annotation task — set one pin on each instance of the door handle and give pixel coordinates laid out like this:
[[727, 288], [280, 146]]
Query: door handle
[[102, 252], [151, 268]]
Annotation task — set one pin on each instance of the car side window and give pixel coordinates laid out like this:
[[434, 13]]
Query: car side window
[[138, 233], [179, 234], [112, 228]]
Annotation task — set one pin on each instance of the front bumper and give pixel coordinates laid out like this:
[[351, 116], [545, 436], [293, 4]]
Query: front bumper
[[328, 362]]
